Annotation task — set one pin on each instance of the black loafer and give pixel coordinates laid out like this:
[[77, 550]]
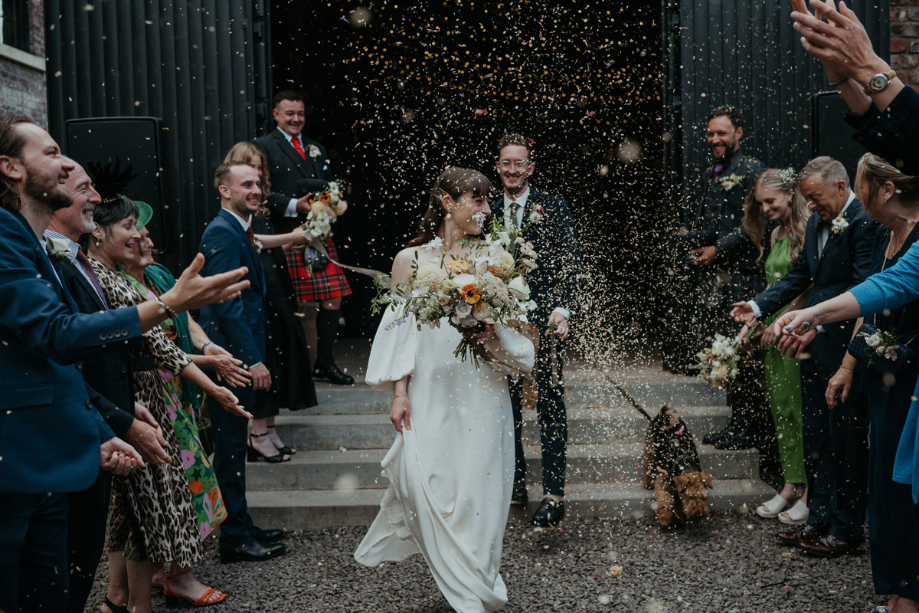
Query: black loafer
[[253, 551], [331, 374], [549, 514], [519, 495], [269, 536]]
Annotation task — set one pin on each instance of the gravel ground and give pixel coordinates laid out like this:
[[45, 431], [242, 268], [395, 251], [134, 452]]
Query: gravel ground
[[727, 563]]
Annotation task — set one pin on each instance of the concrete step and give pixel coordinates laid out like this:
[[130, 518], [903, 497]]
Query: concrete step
[[317, 509], [585, 426], [581, 393], [360, 468]]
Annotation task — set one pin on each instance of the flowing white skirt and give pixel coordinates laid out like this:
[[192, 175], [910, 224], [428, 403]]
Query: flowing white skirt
[[451, 475]]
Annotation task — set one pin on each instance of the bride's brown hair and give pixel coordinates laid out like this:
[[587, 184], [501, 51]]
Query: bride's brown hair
[[453, 182]]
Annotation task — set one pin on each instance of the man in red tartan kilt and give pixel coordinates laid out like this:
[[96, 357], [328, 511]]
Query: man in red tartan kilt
[[300, 166]]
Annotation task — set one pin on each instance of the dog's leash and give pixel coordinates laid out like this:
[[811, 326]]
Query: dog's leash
[[621, 389]]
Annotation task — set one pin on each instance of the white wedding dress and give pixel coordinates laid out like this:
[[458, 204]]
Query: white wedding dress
[[450, 475]]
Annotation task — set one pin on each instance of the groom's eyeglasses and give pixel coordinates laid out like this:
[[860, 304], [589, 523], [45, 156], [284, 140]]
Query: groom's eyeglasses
[[519, 164]]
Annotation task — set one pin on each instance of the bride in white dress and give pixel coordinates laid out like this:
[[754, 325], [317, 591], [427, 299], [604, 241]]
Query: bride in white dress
[[451, 466]]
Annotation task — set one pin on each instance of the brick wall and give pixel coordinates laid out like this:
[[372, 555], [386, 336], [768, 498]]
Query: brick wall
[[22, 83], [904, 40]]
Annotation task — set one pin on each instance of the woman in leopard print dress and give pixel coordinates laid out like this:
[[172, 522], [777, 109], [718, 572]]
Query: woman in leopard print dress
[[152, 520]]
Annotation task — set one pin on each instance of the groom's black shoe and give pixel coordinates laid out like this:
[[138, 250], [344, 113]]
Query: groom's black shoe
[[266, 537], [549, 514], [330, 373], [519, 495], [253, 551]]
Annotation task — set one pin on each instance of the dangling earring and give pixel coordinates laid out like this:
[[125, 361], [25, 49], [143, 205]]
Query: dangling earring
[[98, 243]]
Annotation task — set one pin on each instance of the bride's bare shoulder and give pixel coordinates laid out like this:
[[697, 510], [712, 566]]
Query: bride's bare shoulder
[[402, 265]]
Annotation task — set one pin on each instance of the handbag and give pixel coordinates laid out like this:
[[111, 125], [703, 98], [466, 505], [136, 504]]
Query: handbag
[[877, 363]]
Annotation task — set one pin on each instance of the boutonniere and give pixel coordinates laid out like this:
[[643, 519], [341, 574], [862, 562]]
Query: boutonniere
[[537, 212], [58, 248], [314, 152], [729, 183], [838, 226], [257, 242]]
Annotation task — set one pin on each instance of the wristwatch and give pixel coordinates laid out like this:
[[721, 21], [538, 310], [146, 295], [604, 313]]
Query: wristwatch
[[879, 82]]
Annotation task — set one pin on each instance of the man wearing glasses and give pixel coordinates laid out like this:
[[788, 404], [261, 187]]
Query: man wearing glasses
[[544, 221]]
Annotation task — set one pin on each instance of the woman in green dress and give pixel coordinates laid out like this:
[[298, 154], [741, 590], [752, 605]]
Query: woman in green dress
[[775, 200]]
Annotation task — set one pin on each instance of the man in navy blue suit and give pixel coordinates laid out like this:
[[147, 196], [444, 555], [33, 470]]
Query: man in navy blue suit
[[239, 326], [54, 440]]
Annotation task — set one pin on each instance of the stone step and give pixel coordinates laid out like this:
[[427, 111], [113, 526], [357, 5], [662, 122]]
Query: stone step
[[360, 468], [585, 426], [581, 393], [318, 509]]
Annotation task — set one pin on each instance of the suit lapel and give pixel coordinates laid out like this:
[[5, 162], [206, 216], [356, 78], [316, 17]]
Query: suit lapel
[[256, 266], [290, 152], [831, 241], [68, 270]]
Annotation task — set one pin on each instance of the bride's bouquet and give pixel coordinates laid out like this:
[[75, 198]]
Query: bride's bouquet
[[718, 365], [486, 286], [326, 206]]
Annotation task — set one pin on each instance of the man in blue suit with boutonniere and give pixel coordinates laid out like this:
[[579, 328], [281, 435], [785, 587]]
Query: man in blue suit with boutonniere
[[545, 222], [54, 440]]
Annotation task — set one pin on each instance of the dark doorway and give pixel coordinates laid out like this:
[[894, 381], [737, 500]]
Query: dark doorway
[[401, 89]]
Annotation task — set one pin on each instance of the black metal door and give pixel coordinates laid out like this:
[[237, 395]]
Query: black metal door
[[198, 65]]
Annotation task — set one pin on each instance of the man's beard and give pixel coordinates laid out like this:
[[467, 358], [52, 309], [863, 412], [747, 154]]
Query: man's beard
[[51, 196]]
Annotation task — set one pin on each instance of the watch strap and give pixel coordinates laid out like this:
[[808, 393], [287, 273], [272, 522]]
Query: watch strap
[[890, 75]]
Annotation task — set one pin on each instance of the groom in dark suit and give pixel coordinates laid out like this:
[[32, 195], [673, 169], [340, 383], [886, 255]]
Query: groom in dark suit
[[545, 222], [240, 326], [836, 256]]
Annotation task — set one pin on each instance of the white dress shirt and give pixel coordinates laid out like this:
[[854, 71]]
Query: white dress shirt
[[72, 256], [521, 201]]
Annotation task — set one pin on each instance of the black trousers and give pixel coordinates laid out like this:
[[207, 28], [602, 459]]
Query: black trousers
[[835, 446], [230, 433], [33, 552], [86, 522], [553, 425]]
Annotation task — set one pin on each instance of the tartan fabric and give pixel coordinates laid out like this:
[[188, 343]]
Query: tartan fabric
[[321, 285]]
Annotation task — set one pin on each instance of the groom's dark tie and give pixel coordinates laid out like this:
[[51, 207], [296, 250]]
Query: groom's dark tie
[[514, 208]]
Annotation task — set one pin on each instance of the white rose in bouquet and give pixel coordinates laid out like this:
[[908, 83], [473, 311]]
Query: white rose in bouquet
[[518, 287], [460, 281], [873, 340], [484, 313]]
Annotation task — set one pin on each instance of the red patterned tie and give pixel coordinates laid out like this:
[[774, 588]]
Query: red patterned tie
[[296, 142], [251, 235], [83, 261]]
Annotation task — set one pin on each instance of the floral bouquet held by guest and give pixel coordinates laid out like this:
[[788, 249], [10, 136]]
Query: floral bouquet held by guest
[[326, 206], [484, 287], [719, 363]]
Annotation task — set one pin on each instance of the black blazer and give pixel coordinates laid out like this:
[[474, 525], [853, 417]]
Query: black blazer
[[893, 134], [717, 216], [554, 283], [846, 262], [291, 175], [238, 325], [109, 372]]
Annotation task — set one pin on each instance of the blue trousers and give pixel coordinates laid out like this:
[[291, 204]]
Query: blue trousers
[[229, 433], [33, 553]]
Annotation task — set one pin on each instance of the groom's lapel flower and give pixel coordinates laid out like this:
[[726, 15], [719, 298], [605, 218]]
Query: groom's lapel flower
[[839, 226], [729, 183], [314, 152], [537, 212], [58, 248]]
